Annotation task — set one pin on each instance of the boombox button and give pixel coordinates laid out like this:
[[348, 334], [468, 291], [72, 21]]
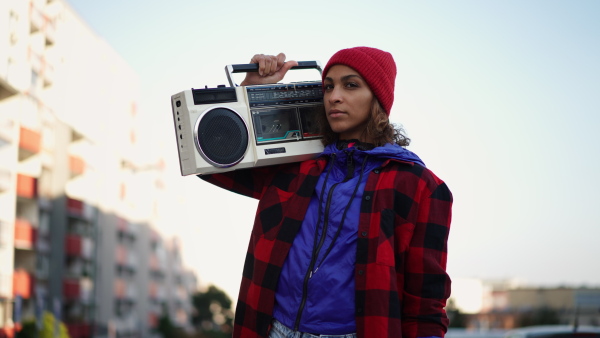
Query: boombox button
[[272, 151]]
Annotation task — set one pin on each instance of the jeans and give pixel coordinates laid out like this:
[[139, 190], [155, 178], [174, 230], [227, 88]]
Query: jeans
[[279, 330]]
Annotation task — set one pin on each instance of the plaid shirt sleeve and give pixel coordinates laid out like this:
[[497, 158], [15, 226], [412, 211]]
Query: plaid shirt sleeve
[[426, 283], [246, 182]]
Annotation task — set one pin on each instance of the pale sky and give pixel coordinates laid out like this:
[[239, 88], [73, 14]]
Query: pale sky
[[500, 98]]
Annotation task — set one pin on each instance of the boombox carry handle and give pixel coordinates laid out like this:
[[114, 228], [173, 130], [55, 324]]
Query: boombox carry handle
[[253, 67]]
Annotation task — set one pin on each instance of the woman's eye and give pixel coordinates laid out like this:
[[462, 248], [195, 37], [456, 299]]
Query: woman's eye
[[351, 84], [328, 87]]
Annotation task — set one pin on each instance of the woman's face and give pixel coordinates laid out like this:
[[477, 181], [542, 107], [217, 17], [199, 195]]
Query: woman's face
[[348, 101]]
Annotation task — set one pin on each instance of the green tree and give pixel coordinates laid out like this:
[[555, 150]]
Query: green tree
[[457, 318], [542, 316], [213, 316], [29, 329], [166, 328]]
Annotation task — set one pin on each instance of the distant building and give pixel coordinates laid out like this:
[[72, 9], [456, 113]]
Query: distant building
[[508, 306], [78, 195]]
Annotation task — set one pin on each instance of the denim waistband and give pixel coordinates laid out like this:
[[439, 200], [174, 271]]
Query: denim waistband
[[278, 330]]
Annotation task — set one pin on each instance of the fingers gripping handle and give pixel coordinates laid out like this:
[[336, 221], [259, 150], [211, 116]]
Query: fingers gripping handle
[[253, 67]]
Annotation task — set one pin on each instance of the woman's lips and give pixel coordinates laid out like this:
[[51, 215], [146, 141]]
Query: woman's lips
[[336, 113]]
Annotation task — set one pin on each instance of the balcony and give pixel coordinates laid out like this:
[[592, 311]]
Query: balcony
[[77, 246], [29, 143], [36, 18], [5, 180], [23, 283], [79, 330], [121, 255], [156, 267], [75, 207], [6, 90], [120, 288], [126, 230], [76, 165], [73, 245], [6, 127], [153, 290], [154, 264], [79, 209], [26, 186], [152, 320], [5, 238], [71, 289], [87, 248], [40, 22], [50, 30], [25, 234], [42, 268], [41, 67]]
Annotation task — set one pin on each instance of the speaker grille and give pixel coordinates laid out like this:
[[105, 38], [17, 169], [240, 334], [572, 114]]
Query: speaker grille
[[222, 137]]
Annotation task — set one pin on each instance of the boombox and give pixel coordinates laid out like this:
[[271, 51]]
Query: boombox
[[229, 128]]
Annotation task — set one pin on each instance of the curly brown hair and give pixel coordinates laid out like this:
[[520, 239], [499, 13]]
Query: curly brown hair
[[378, 131]]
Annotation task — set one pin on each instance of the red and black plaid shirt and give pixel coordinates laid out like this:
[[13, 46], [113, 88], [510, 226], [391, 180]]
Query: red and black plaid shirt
[[400, 271]]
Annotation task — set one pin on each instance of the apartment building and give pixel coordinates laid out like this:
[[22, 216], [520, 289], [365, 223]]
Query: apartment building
[[140, 278], [78, 193]]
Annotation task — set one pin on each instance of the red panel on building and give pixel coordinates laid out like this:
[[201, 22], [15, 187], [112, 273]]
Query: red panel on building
[[80, 330], [71, 289], [76, 165], [121, 255], [7, 331], [26, 186], [25, 234], [120, 287], [152, 320], [74, 206], [73, 245], [22, 284], [154, 263], [122, 224], [30, 140], [153, 290]]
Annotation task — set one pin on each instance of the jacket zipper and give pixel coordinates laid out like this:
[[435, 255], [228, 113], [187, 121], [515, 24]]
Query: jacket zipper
[[313, 260], [317, 249]]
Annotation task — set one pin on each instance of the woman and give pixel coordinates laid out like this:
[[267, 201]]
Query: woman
[[353, 243]]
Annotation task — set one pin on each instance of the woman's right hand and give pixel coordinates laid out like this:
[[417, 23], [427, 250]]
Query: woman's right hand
[[271, 69]]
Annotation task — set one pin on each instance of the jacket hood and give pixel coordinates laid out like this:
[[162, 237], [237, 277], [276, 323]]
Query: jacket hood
[[385, 152]]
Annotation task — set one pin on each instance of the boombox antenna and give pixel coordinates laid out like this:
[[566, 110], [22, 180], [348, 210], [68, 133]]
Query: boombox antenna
[[253, 67]]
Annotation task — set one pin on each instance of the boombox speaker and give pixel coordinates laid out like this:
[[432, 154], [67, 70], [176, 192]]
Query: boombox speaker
[[230, 128]]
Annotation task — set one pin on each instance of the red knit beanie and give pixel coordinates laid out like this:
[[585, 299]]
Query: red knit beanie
[[375, 66]]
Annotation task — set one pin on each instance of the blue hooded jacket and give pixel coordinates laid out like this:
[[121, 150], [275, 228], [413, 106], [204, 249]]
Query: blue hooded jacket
[[315, 292]]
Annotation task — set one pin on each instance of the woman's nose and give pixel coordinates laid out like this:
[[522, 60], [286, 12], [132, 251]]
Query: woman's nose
[[334, 96]]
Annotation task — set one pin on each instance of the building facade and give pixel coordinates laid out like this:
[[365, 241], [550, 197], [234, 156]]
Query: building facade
[[508, 306], [78, 193]]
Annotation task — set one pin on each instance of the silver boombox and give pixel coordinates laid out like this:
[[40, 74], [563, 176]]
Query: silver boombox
[[229, 128]]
